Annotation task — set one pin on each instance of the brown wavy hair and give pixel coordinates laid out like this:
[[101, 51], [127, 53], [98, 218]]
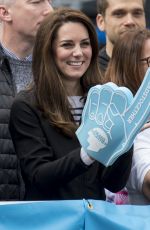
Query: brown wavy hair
[[49, 88], [124, 68]]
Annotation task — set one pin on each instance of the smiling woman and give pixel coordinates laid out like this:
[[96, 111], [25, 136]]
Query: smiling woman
[[45, 117], [73, 53]]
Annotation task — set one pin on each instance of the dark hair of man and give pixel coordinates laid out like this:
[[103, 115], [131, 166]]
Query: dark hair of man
[[125, 67], [50, 91], [102, 5]]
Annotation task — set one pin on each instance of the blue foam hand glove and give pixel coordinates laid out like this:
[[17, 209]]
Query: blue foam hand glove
[[111, 119]]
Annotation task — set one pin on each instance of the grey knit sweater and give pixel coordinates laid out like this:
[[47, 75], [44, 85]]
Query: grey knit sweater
[[21, 73]]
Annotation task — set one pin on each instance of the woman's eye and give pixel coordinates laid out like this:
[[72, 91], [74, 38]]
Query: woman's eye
[[67, 45], [85, 44]]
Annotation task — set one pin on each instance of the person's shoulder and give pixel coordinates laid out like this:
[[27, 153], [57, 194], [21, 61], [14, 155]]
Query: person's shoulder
[[4, 63], [102, 52], [1, 49], [2, 54], [23, 104], [25, 97], [103, 59]]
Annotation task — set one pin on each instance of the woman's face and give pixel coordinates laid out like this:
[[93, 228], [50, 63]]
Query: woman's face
[[145, 58], [73, 51]]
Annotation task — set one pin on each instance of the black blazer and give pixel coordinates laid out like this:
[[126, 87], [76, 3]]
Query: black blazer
[[50, 161]]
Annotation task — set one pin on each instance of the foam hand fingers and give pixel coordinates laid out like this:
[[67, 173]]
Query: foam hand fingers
[[93, 104], [121, 99], [104, 100]]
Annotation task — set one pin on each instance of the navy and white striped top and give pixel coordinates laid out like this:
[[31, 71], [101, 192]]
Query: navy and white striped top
[[77, 104]]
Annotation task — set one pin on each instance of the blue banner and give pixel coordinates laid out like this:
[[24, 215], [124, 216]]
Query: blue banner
[[51, 215], [73, 215], [108, 216]]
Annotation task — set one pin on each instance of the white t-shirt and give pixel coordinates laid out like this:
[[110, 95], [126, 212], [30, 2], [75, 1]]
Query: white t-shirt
[[140, 166]]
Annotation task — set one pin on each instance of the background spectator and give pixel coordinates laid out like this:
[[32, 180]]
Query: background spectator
[[20, 20], [127, 67]]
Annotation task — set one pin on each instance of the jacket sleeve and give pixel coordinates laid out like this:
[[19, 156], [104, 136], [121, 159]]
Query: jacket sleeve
[[115, 177], [37, 158]]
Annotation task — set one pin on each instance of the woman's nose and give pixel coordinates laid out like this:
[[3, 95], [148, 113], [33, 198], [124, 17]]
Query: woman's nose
[[77, 51]]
